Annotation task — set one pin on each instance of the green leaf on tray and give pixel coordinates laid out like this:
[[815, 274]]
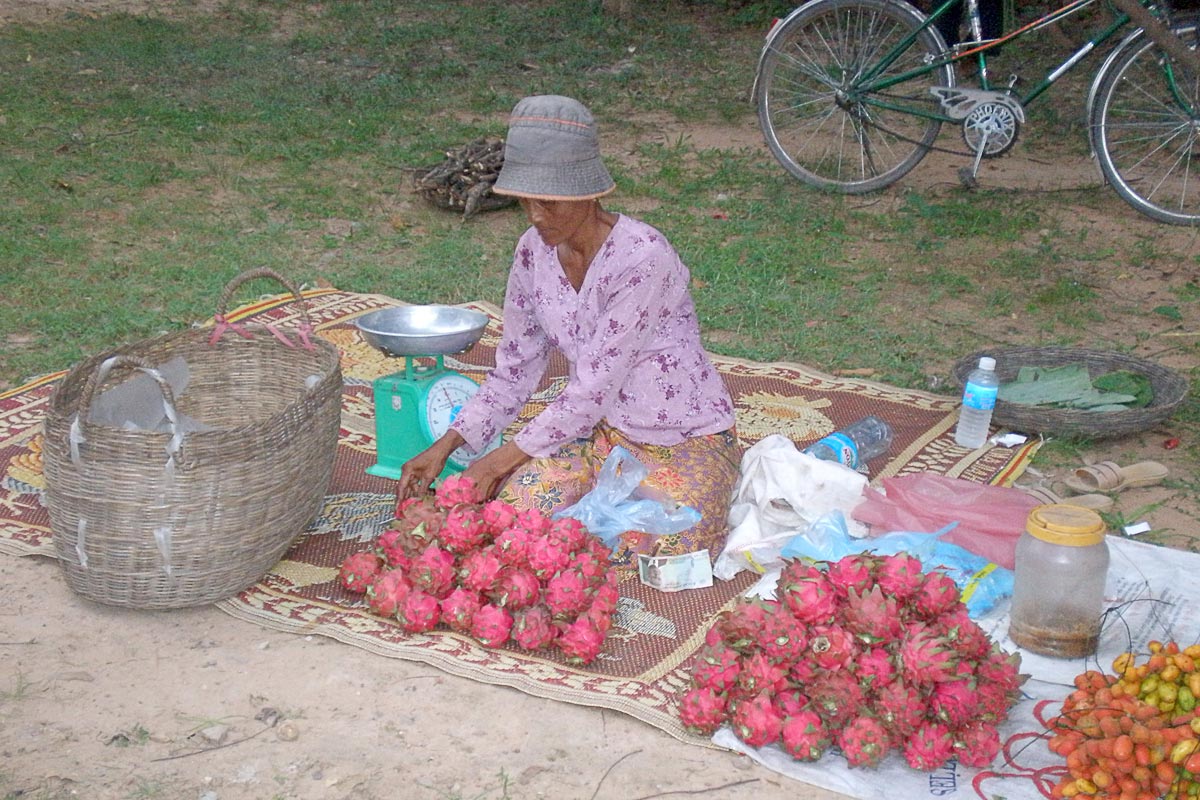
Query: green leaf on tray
[[1071, 386], [1124, 381]]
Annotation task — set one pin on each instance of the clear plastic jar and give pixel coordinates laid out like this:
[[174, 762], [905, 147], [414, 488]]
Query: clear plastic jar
[[1058, 591]]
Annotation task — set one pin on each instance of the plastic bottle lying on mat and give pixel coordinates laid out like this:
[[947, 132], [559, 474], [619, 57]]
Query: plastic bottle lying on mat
[[855, 444]]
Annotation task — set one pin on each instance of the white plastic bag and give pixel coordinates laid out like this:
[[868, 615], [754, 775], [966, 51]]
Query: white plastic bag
[[780, 493]]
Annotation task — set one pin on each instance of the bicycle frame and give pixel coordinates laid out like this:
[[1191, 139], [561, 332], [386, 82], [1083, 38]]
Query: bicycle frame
[[979, 49]]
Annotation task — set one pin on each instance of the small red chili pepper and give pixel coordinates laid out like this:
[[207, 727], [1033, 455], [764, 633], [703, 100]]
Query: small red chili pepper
[[1171, 444]]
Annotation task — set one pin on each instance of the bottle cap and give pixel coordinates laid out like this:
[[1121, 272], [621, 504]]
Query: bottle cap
[[1062, 523], [987, 362]]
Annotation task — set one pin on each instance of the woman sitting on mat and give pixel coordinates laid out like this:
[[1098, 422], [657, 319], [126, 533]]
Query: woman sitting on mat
[[612, 296]]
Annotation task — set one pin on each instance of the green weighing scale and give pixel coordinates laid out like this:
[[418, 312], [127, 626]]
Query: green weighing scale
[[414, 407]]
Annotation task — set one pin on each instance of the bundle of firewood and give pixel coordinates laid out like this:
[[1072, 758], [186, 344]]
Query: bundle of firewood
[[464, 180]]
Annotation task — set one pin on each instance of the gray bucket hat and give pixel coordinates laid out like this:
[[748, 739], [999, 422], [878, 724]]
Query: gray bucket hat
[[552, 152]]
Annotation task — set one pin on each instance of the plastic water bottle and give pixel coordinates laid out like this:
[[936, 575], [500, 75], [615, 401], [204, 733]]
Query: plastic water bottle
[[979, 399], [855, 444]]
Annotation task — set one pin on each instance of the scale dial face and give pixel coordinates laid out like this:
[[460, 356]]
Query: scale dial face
[[443, 400]]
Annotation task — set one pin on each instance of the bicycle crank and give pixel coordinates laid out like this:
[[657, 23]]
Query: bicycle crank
[[991, 122]]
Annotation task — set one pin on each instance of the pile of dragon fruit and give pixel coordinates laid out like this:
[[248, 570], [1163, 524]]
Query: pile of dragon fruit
[[488, 571], [867, 653]]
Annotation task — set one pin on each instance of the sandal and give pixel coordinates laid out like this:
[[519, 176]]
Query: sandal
[[1108, 476], [1096, 502]]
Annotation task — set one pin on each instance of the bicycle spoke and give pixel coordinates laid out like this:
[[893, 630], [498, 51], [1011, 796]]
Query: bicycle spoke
[[1147, 132], [816, 112]]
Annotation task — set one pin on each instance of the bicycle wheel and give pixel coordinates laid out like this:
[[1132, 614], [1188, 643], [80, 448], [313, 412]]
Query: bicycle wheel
[[1145, 126], [820, 104]]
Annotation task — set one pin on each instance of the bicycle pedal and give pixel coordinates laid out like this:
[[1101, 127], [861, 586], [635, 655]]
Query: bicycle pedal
[[966, 176]]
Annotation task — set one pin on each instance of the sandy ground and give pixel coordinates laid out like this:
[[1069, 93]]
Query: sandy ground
[[100, 703]]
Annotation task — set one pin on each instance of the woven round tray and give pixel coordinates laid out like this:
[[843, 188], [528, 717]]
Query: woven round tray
[[1169, 390]]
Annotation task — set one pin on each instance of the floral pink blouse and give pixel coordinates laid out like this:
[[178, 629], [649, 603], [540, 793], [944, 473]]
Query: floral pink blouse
[[631, 338]]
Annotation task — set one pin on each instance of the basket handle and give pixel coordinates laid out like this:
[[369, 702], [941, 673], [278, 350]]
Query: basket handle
[[223, 324], [96, 379]]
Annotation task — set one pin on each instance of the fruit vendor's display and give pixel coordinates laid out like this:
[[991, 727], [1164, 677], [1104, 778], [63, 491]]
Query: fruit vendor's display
[[487, 571], [867, 653], [1135, 734]]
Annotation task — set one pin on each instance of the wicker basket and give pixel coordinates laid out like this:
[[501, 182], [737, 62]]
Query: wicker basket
[[1169, 390], [155, 520]]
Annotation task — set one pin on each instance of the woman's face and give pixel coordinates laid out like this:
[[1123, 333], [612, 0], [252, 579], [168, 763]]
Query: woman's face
[[556, 220]]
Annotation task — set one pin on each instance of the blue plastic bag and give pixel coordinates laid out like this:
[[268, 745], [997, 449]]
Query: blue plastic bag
[[980, 582], [614, 506]]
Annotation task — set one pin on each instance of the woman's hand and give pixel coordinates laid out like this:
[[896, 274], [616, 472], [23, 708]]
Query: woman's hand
[[419, 472], [490, 471]]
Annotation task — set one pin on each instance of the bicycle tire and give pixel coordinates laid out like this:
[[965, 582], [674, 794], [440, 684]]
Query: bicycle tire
[[1145, 136], [820, 120]]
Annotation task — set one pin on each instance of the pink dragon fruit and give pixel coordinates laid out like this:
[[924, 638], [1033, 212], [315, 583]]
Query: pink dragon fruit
[[420, 524], [605, 598], [387, 592], [760, 673], [871, 615], [938, 594], [964, 633], [492, 625], [740, 625], [832, 646], [717, 667], [925, 657], [804, 737], [457, 490], [875, 667], [512, 546], [1003, 669], [994, 702], [930, 746], [533, 521], [782, 636], [756, 722], [809, 595], [420, 612], [358, 571], [390, 547], [498, 516], [601, 619], [864, 742], [836, 696], [464, 529], [590, 566], [480, 569], [702, 711], [955, 702], [790, 702], [433, 571], [570, 532], [459, 607], [977, 745], [546, 556], [580, 642], [567, 594], [516, 588], [899, 576], [533, 628], [851, 572], [901, 708], [801, 671]]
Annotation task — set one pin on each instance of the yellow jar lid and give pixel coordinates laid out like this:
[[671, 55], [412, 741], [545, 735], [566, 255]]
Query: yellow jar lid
[[1062, 523]]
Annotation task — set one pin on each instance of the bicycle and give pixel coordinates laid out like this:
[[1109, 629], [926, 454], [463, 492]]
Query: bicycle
[[852, 94]]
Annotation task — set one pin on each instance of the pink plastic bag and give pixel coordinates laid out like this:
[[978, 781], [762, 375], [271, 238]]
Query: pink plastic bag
[[990, 518]]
